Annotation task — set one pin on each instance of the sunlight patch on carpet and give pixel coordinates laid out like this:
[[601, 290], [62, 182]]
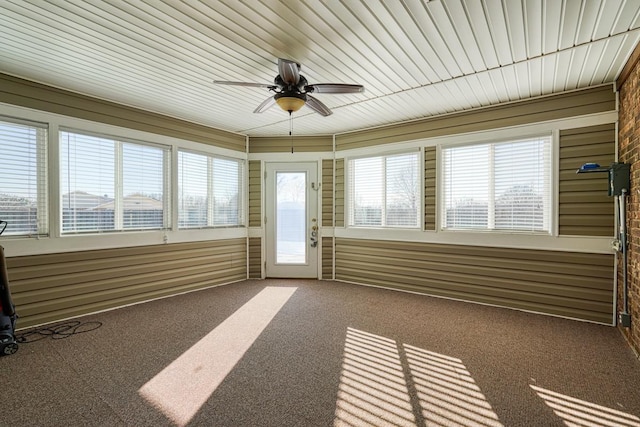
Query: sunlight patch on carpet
[[580, 413], [372, 389], [447, 392], [378, 374], [181, 388]]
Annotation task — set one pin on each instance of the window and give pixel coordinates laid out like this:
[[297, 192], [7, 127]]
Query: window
[[384, 191], [210, 191], [110, 185], [498, 186], [23, 178]]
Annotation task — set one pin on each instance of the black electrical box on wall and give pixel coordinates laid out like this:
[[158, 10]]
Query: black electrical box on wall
[[619, 178]]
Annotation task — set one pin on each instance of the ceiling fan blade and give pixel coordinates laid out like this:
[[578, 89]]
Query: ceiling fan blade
[[265, 105], [289, 71], [334, 88], [318, 106], [265, 85]]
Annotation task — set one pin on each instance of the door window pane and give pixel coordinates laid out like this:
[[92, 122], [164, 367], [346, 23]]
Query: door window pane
[[291, 216]]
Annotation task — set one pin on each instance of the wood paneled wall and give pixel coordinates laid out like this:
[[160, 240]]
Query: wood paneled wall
[[585, 209], [327, 258], [284, 144], [327, 193], [570, 104], [25, 93], [430, 168], [51, 287], [575, 285], [339, 208], [255, 194], [55, 286], [327, 217], [255, 258]]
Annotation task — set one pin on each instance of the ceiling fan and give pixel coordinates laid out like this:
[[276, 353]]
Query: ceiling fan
[[292, 90]]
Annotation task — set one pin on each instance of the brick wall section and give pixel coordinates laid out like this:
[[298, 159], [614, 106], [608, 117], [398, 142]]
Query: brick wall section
[[629, 152]]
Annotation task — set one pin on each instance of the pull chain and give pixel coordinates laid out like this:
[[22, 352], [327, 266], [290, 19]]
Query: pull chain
[[291, 129]]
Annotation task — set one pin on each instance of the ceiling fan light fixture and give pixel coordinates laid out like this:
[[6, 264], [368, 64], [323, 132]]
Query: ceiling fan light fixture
[[290, 102]]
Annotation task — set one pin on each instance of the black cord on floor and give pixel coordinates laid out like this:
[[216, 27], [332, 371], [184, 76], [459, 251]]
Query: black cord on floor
[[57, 332]]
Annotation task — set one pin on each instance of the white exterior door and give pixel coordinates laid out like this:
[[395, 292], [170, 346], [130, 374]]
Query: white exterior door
[[291, 217]]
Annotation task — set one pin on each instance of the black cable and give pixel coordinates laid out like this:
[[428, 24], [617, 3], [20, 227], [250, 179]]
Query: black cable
[[58, 332]]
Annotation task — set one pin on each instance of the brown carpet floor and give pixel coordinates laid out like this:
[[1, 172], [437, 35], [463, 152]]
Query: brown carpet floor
[[329, 354]]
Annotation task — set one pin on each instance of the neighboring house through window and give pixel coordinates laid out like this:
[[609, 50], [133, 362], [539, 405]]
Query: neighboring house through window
[[112, 185], [23, 178]]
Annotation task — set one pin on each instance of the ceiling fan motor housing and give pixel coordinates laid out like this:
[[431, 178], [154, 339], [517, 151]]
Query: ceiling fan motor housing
[[299, 86]]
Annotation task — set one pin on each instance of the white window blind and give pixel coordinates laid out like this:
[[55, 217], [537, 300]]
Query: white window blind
[[227, 183], [384, 191], [366, 191], [210, 191], [109, 185], [23, 178], [143, 183], [193, 190], [498, 186], [402, 190]]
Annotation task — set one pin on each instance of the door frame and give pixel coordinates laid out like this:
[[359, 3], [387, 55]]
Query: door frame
[[312, 268]]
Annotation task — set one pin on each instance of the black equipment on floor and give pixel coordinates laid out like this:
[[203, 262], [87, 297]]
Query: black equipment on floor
[[8, 343]]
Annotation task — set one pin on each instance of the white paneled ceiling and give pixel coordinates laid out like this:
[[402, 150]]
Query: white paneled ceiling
[[415, 58]]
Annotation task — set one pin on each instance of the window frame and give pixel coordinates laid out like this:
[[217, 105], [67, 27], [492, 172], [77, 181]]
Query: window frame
[[549, 204], [43, 187], [349, 197], [118, 182], [210, 185]]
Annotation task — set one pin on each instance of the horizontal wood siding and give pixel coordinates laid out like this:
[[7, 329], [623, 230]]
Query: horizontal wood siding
[[327, 258], [25, 93], [47, 288], [584, 207], [283, 144], [327, 193], [255, 258], [570, 104], [430, 188], [339, 196], [255, 194], [576, 285]]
